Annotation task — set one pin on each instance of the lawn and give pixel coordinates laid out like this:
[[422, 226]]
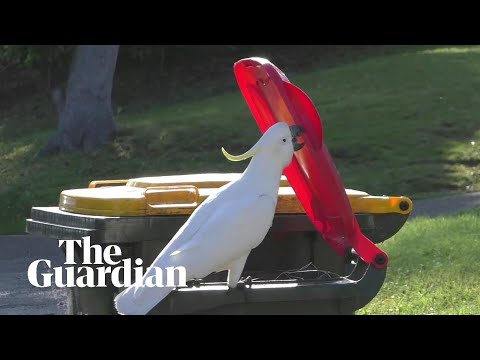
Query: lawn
[[433, 268], [403, 123]]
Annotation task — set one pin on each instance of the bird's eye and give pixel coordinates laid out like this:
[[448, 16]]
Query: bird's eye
[[284, 140]]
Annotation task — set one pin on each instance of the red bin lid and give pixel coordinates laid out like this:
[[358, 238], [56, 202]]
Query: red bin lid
[[312, 174]]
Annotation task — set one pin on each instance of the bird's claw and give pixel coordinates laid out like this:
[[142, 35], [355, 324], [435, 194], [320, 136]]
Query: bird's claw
[[194, 283], [243, 283]]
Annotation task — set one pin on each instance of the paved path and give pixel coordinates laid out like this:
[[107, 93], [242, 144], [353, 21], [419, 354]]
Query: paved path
[[18, 296], [445, 205]]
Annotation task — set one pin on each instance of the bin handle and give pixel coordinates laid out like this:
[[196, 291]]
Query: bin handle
[[172, 196], [102, 183]]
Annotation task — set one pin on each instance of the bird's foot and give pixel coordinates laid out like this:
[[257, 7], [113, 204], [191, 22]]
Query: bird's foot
[[243, 283], [194, 283], [242, 286]]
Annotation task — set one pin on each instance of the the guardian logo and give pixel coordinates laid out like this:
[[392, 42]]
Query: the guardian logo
[[120, 272]]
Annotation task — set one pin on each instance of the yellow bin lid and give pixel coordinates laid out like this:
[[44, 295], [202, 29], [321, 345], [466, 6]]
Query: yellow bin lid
[[181, 194]]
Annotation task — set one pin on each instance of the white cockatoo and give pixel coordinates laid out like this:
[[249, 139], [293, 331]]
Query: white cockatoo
[[222, 231]]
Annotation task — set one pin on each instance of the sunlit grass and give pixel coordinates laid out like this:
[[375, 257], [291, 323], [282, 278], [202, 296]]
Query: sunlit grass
[[433, 268], [453, 50], [18, 152]]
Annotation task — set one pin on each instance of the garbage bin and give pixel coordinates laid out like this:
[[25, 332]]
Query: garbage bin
[[293, 271]]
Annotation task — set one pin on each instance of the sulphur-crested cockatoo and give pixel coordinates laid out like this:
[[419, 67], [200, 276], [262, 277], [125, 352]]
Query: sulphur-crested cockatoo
[[222, 231]]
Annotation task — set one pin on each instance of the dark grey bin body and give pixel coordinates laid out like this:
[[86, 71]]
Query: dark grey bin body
[[291, 244]]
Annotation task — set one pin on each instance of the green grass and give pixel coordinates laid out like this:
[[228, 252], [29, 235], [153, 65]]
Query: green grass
[[433, 268], [397, 124]]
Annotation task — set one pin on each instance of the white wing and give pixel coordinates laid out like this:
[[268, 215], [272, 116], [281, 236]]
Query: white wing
[[196, 220], [232, 230]]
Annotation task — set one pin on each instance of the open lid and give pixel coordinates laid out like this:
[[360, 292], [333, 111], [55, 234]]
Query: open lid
[[312, 174]]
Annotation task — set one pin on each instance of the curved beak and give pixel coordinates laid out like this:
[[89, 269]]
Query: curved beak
[[296, 131]]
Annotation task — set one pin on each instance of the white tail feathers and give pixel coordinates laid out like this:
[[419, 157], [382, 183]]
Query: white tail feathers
[[125, 305], [130, 302]]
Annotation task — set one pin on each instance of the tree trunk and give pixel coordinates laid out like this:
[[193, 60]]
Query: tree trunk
[[85, 111]]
